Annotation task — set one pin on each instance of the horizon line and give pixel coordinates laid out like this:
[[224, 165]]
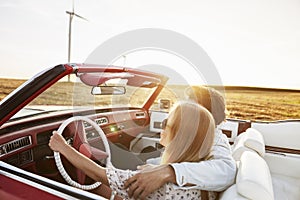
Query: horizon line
[[226, 87]]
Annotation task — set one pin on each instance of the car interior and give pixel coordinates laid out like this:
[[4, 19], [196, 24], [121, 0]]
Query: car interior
[[267, 153]]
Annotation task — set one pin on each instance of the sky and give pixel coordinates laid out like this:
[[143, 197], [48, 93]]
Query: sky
[[251, 42]]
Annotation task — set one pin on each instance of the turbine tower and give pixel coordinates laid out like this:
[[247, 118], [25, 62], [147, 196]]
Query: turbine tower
[[71, 15]]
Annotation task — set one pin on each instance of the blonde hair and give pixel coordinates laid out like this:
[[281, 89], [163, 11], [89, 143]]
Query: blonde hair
[[211, 99], [191, 134]]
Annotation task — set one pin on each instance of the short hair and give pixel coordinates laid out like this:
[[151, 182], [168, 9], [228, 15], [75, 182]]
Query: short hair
[[211, 99], [191, 133]]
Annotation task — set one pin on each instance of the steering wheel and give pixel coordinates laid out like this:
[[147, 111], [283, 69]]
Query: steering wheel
[[81, 144]]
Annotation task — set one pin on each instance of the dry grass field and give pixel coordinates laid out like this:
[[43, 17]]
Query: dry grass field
[[263, 104], [242, 102]]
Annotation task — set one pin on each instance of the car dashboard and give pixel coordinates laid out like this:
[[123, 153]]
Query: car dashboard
[[24, 143]]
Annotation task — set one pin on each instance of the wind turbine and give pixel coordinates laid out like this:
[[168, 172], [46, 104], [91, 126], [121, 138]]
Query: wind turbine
[[71, 15]]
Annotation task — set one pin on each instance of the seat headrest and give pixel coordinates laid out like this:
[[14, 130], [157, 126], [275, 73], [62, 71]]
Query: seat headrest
[[254, 179], [251, 140]]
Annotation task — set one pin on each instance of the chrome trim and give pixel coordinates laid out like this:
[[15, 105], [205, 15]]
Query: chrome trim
[[15, 145], [49, 157], [139, 115], [101, 121]]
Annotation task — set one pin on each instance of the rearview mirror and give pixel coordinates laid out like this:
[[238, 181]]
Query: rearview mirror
[[108, 90]]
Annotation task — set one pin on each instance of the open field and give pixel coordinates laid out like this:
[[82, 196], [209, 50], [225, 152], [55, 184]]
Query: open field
[[266, 105], [242, 102]]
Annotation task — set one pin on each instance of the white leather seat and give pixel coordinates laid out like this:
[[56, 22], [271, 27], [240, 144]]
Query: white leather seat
[[253, 180], [232, 194], [251, 140]]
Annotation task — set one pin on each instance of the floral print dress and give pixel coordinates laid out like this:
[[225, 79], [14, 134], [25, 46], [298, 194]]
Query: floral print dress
[[118, 177]]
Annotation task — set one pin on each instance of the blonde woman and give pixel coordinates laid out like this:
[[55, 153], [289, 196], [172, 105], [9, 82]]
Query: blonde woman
[[215, 174], [187, 135]]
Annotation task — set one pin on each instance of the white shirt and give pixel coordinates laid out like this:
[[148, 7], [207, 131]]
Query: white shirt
[[216, 174]]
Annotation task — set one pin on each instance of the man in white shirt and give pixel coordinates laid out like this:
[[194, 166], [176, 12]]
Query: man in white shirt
[[216, 174]]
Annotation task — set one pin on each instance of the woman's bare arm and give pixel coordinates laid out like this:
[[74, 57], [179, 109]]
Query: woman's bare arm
[[89, 167]]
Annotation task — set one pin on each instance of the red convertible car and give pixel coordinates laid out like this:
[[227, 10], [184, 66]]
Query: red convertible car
[[113, 115]]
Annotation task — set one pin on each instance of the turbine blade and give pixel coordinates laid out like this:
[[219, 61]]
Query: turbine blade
[[81, 17]]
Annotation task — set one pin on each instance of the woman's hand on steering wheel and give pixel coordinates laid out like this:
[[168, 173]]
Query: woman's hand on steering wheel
[[57, 142]]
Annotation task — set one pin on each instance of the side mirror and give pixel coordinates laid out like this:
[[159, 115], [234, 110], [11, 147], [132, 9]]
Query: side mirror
[[108, 90]]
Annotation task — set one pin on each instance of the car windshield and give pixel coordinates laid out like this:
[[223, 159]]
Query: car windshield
[[76, 94]]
